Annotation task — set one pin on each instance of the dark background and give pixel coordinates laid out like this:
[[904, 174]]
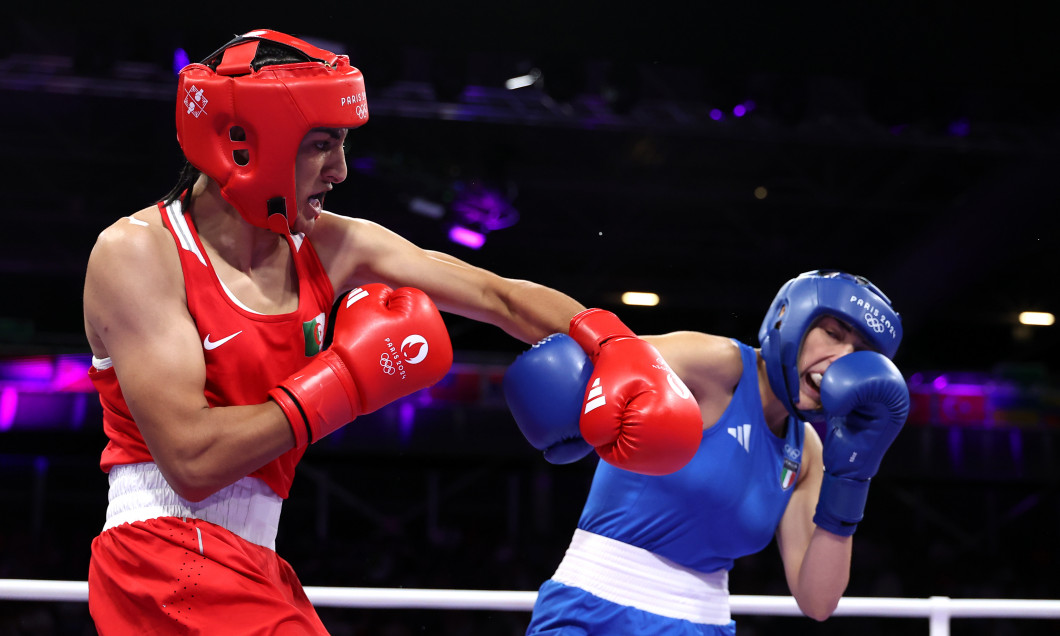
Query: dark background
[[913, 143]]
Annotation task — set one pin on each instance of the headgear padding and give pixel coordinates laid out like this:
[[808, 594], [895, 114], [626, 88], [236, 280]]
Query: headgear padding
[[804, 299], [242, 127]]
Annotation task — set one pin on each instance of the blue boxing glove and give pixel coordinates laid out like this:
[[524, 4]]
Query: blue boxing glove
[[866, 400], [544, 389]]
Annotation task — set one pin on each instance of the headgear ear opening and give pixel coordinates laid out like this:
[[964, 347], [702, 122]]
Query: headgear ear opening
[[242, 127], [804, 299]]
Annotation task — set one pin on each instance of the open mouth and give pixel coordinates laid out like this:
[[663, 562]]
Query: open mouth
[[814, 381], [316, 202]]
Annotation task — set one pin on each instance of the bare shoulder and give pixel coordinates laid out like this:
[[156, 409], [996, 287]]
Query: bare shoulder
[[709, 365], [357, 250], [335, 233], [130, 236], [344, 243], [133, 269], [707, 353]]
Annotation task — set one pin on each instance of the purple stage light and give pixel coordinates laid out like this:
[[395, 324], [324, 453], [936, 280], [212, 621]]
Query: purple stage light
[[739, 110], [481, 207], [8, 407], [363, 165], [180, 60], [960, 128], [477, 211], [466, 237], [716, 114], [406, 418]]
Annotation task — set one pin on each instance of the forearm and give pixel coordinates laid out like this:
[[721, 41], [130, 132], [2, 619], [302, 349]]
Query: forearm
[[823, 574], [535, 311], [523, 309], [220, 446]]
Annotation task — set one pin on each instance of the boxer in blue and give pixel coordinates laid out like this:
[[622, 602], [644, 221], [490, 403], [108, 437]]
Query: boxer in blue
[[653, 548]]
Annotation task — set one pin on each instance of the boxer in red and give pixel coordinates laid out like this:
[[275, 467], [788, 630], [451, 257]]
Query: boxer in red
[[236, 322]]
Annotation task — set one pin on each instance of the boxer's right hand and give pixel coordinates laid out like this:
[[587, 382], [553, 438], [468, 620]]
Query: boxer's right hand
[[544, 389], [382, 344], [867, 401], [637, 413]]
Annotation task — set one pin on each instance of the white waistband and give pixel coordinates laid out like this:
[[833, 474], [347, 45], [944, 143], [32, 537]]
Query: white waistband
[[248, 508], [632, 576]]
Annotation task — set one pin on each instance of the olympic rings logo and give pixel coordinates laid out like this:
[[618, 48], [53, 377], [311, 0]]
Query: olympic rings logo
[[874, 323], [362, 111], [678, 386], [387, 364]]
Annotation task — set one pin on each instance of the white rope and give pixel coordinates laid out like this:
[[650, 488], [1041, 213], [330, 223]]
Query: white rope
[[937, 608]]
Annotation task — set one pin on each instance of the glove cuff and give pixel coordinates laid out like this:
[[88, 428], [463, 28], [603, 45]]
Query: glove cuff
[[567, 451], [296, 417], [841, 504], [593, 327], [318, 399]]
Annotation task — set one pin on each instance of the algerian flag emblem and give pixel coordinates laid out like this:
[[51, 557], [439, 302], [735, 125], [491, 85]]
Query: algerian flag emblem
[[313, 330]]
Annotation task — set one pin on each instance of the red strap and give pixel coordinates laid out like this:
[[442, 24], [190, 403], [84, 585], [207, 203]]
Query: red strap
[[236, 59]]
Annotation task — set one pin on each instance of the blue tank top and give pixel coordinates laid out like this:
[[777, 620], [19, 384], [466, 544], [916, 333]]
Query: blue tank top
[[726, 503]]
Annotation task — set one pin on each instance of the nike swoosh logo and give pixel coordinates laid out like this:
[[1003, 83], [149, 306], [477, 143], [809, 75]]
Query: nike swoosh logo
[[210, 345]]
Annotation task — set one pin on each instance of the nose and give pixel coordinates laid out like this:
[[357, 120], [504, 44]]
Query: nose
[[335, 170], [843, 349]]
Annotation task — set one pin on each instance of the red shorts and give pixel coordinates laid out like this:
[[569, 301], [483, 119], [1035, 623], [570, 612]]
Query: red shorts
[[171, 576]]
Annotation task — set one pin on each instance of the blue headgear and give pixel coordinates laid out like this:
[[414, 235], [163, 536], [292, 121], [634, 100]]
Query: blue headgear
[[802, 300]]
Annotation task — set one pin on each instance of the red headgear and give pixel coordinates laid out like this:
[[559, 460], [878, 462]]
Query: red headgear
[[242, 127]]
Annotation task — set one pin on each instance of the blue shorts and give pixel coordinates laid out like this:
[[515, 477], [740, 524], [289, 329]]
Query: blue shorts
[[562, 610]]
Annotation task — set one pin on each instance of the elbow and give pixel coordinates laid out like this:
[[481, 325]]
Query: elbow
[[190, 489], [188, 482], [193, 494], [818, 611], [818, 615]]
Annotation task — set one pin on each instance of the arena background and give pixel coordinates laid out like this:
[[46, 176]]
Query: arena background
[[914, 143]]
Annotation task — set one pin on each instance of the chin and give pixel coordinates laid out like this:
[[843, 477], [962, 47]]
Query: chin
[[807, 404], [303, 226]]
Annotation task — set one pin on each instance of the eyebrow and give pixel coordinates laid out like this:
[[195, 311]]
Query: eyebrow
[[334, 133], [850, 329]]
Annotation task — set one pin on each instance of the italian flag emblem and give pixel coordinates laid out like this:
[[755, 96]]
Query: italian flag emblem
[[313, 330], [788, 473]]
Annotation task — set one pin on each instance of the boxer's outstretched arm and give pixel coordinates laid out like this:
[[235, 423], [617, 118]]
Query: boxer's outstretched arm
[[355, 252]]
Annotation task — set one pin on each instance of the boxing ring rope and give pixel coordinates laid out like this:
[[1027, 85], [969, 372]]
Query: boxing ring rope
[[937, 609]]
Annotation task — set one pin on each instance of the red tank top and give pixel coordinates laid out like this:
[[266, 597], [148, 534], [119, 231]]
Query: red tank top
[[246, 353]]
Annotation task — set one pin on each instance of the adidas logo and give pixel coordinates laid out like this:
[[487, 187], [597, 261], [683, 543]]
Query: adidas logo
[[595, 398], [355, 295], [742, 434]]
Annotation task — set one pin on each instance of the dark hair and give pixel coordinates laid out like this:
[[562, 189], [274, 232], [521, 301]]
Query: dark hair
[[186, 179], [268, 54]]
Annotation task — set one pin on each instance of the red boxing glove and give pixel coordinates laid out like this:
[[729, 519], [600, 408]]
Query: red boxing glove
[[382, 344], [637, 413]]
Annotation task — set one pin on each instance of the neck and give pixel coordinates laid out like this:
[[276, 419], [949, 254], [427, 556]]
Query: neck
[[224, 230]]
